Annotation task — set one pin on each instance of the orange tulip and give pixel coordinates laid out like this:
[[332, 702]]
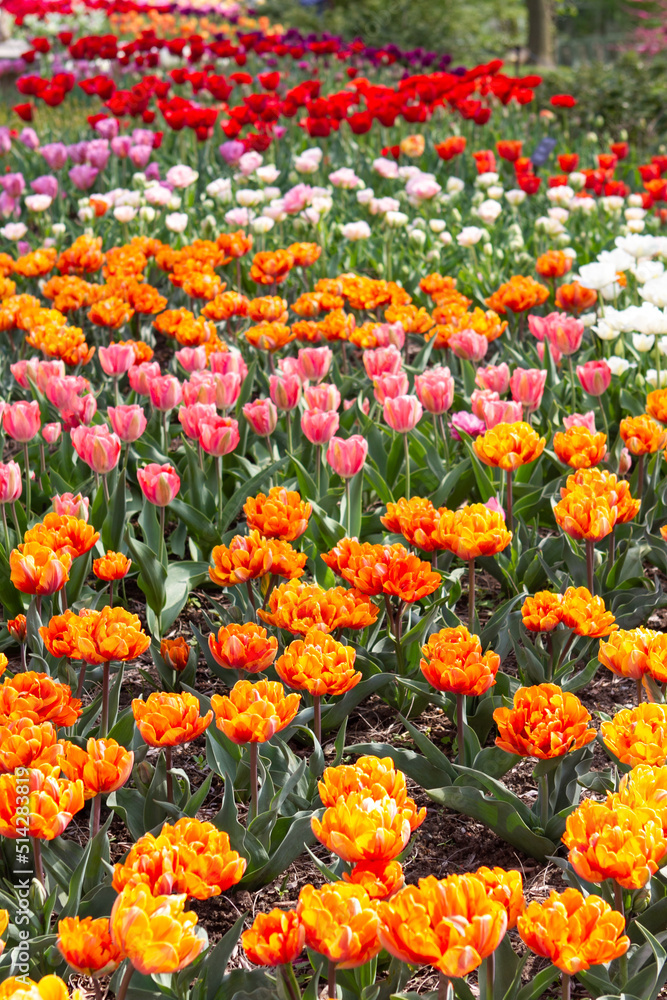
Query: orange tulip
[[86, 945], [189, 857], [580, 448], [275, 938], [582, 514], [645, 787], [626, 653], [573, 931], [253, 713], [109, 634], [574, 298], [61, 635], [48, 988], [24, 743], [544, 722], [380, 879], [245, 558], [298, 607], [642, 435], [611, 840], [63, 533], [318, 664], [269, 336], [473, 531], [153, 931], [18, 628], [543, 612], [506, 888], [175, 653], [656, 405], [586, 614], [553, 264], [417, 520], [168, 720], [281, 514], [518, 294], [112, 566], [268, 309], [271, 267], [606, 484], [508, 446], [638, 735], [243, 647], [285, 561], [363, 829], [103, 767], [52, 804], [305, 254], [374, 776], [450, 924], [383, 569], [40, 698], [4, 924], [36, 569], [339, 922], [453, 661]]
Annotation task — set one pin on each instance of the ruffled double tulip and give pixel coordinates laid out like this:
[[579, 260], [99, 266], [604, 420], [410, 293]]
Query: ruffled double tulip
[[38, 570], [340, 922], [574, 931], [642, 435], [380, 879], [450, 924], [153, 931], [417, 520], [508, 446], [281, 514], [607, 485], [86, 945], [253, 713], [319, 664], [297, 607], [52, 803], [505, 887], [473, 531], [38, 697], [586, 613], [583, 515], [103, 767], [168, 720], [360, 828], [580, 448], [543, 612], [25, 743], [453, 661], [638, 735], [376, 777], [544, 722], [275, 938], [111, 567], [383, 569], [243, 647]]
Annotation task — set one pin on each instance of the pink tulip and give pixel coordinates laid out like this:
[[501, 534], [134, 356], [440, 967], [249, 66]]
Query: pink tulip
[[51, 432], [165, 392], [227, 389], [479, 398], [63, 391], [319, 426], [219, 435], [555, 353], [564, 332], [192, 359], [159, 483], [365, 405], [346, 456], [435, 389], [314, 363], [35, 370], [494, 377], [285, 391], [538, 325], [467, 422], [403, 413], [192, 415], [222, 362], [624, 462], [382, 361], [116, 359], [389, 333], [22, 421], [97, 447], [129, 422], [595, 377], [201, 387], [11, 484], [290, 366], [390, 386], [141, 375], [501, 411], [81, 411], [325, 396], [468, 345], [527, 387], [580, 420], [493, 503], [74, 506], [262, 416]]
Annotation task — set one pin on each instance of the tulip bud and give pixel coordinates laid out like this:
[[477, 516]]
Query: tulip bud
[[319, 426], [624, 462], [129, 422], [18, 628], [285, 391], [347, 456], [175, 653], [76, 506], [262, 416], [595, 377], [159, 483], [403, 413], [11, 484], [51, 432]]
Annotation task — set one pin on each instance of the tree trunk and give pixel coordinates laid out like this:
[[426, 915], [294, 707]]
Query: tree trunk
[[540, 32]]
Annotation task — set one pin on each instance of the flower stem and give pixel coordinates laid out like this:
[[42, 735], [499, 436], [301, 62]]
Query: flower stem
[[460, 728], [317, 717], [590, 564], [125, 982], [565, 986], [639, 689], [331, 981], [254, 781], [318, 469], [544, 801], [220, 493], [407, 466], [286, 973], [620, 906], [26, 460], [510, 519], [444, 987], [290, 445], [471, 595], [490, 975], [348, 508], [104, 721], [4, 524], [572, 385], [640, 476], [39, 867], [170, 779], [251, 598], [443, 428], [97, 809]]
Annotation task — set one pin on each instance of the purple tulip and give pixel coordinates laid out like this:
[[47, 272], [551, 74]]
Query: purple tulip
[[13, 184], [140, 155], [83, 176], [46, 184], [7, 205], [120, 146], [143, 137], [466, 422], [98, 153], [107, 128], [153, 171], [231, 151], [23, 247], [5, 140], [29, 138], [55, 154], [77, 152]]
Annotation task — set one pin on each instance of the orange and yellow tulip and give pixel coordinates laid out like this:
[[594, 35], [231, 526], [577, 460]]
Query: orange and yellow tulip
[[86, 945], [543, 612], [579, 447], [340, 922], [638, 735], [544, 722], [275, 938], [319, 664], [509, 446], [360, 828], [473, 531], [253, 713], [383, 569], [243, 647], [298, 607], [52, 804], [453, 661], [281, 514], [586, 614], [168, 720], [103, 767], [38, 697], [153, 931]]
